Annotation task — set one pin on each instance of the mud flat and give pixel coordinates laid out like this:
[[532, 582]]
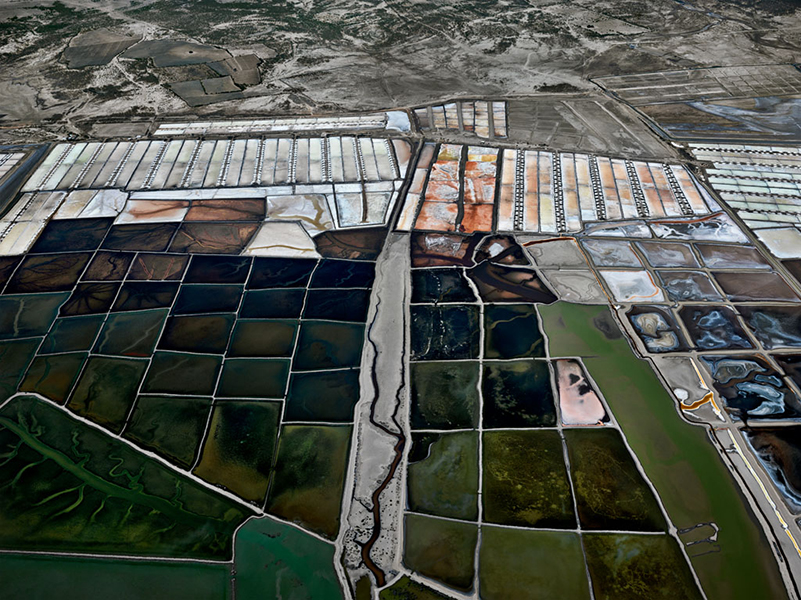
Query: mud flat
[[371, 536]]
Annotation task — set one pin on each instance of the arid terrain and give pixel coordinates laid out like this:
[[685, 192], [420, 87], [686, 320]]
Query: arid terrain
[[319, 57]]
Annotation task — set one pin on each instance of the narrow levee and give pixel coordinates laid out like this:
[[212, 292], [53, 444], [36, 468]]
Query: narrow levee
[[369, 543]]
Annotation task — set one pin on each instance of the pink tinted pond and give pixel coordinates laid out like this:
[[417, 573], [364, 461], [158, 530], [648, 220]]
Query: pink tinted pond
[[578, 401]]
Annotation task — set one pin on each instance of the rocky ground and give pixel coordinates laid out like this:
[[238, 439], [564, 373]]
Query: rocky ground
[[334, 55]]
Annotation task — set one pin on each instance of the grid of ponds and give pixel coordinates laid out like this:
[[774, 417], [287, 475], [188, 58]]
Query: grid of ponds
[[458, 188], [243, 371], [515, 458]]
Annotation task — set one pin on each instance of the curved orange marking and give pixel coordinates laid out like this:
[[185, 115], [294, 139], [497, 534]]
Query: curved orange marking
[[708, 398]]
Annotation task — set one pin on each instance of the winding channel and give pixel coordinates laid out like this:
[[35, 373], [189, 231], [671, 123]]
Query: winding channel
[[398, 449]]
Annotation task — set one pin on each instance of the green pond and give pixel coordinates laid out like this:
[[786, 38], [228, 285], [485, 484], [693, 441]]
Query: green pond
[[687, 471], [67, 578], [274, 560]]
